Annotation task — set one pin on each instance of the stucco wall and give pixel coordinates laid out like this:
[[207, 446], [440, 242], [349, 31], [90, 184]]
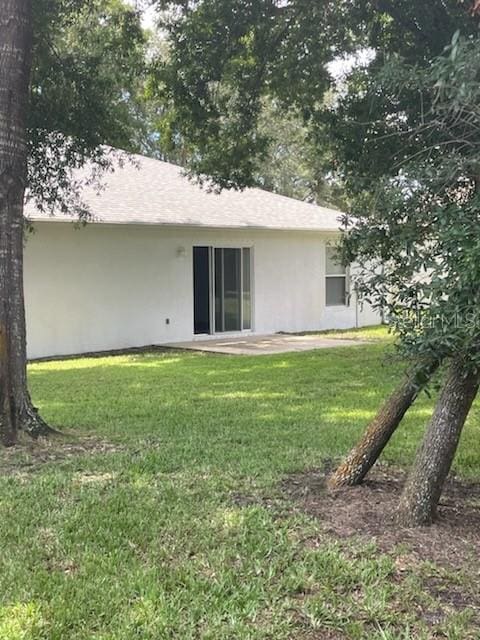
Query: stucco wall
[[109, 287]]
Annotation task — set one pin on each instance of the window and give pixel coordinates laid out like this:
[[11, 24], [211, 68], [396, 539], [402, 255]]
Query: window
[[335, 280]]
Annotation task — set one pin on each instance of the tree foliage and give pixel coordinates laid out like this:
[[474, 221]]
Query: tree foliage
[[225, 56], [86, 92], [421, 225], [296, 164]]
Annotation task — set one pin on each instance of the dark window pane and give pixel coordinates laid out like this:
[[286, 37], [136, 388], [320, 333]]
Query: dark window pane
[[335, 291], [201, 290], [247, 304]]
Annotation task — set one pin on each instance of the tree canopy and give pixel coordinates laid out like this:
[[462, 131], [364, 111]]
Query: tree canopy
[[86, 92], [421, 225], [225, 56]]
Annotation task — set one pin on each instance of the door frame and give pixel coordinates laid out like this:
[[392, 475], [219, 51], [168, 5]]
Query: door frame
[[211, 277]]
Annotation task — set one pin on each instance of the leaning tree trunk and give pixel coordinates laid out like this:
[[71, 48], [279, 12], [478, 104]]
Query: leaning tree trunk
[[16, 410], [363, 456], [434, 458]]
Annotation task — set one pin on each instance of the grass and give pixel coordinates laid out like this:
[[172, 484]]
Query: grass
[[373, 333], [152, 538]]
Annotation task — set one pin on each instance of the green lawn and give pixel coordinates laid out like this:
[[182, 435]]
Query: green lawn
[[150, 538]]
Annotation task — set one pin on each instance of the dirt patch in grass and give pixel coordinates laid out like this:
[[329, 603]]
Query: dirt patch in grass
[[30, 456], [369, 511], [444, 556]]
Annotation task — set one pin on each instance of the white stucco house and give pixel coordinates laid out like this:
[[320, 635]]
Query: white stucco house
[[165, 261]]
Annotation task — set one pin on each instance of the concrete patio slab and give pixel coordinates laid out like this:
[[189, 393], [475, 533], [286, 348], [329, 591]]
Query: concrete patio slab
[[263, 345]]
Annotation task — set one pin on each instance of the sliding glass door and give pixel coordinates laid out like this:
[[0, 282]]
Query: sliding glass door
[[229, 292]]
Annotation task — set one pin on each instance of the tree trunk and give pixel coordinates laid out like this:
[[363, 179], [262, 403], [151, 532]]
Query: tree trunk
[[435, 455], [16, 410], [363, 456]]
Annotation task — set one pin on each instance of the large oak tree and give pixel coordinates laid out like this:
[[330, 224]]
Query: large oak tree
[[15, 65]]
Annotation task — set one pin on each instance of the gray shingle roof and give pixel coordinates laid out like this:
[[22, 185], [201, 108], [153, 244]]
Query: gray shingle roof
[[148, 191]]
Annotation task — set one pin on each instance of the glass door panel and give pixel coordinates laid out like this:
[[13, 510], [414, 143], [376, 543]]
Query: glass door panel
[[219, 316], [246, 289], [232, 291]]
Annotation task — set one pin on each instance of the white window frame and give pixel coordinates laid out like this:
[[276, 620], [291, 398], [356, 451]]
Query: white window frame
[[345, 275]]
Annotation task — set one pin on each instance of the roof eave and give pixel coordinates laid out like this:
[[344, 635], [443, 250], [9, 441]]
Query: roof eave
[[143, 223]]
